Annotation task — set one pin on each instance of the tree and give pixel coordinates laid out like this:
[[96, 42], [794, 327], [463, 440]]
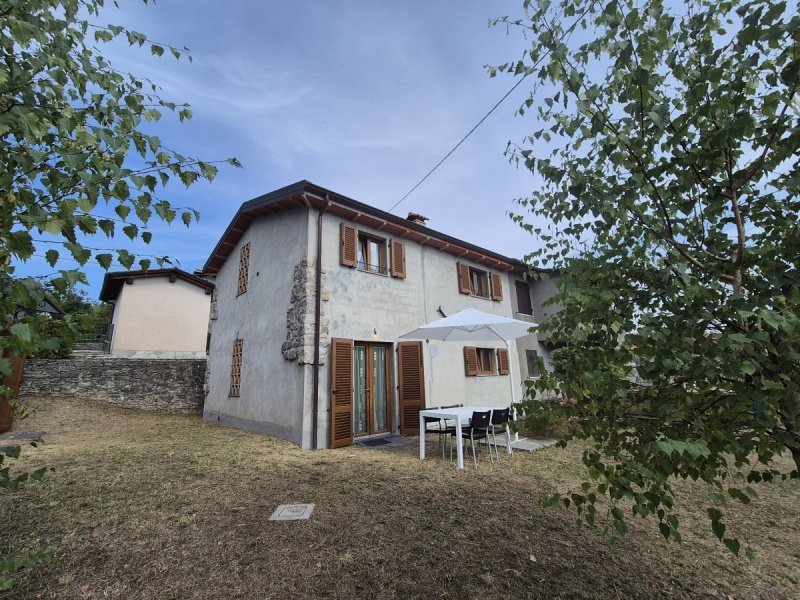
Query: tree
[[667, 141], [76, 158], [76, 161]]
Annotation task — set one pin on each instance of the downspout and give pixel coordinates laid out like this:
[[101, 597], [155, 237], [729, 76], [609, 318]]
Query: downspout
[[317, 316]]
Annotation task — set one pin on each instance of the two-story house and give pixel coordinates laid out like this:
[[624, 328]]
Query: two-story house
[[313, 290]]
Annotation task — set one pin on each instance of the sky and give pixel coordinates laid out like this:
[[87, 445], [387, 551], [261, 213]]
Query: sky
[[362, 98]]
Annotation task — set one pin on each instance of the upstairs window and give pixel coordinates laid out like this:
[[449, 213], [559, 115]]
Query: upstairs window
[[244, 269], [371, 254], [524, 305], [476, 282]]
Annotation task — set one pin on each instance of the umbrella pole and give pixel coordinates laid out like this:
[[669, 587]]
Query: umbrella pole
[[513, 390]]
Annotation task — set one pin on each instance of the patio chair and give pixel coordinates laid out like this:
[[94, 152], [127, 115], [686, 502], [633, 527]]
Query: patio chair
[[435, 425], [449, 427], [478, 429], [500, 419]]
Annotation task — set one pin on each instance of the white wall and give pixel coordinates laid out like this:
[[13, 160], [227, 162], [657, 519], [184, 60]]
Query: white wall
[[153, 317], [364, 303]]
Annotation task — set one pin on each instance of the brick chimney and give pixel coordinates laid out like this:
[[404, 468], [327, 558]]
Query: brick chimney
[[417, 218]]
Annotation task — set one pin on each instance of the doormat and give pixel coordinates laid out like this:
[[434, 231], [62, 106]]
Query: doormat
[[378, 442]]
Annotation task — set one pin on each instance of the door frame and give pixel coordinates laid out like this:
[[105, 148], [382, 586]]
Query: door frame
[[370, 407]]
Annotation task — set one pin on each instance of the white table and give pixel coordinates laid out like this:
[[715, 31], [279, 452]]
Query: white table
[[459, 415]]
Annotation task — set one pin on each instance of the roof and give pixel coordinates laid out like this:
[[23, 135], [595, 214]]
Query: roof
[[113, 281], [305, 193]]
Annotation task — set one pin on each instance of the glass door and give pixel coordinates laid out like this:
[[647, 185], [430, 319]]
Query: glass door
[[370, 389]]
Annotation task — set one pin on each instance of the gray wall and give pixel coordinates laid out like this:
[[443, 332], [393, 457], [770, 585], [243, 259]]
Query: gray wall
[[540, 291], [168, 385], [272, 390]]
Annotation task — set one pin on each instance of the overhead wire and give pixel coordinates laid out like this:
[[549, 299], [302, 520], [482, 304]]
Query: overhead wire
[[566, 34], [461, 141]]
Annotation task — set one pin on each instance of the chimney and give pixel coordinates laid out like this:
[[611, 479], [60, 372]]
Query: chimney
[[417, 218]]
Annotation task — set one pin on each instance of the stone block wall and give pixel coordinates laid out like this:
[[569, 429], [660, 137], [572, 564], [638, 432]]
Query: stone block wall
[[145, 384]]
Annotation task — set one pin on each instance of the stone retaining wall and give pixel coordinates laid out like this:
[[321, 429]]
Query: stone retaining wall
[[146, 384]]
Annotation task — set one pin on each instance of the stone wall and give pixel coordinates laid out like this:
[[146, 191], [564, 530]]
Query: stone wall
[[299, 344], [146, 384]]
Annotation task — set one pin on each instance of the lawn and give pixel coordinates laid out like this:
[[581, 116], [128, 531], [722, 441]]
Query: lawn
[[164, 506]]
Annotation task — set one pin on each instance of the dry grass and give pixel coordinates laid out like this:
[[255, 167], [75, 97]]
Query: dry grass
[[164, 506]]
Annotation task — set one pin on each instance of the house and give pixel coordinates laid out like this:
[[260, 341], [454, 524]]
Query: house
[[304, 263], [158, 313]]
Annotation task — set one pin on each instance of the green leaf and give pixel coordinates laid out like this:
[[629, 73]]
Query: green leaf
[[51, 256], [732, 544], [22, 331]]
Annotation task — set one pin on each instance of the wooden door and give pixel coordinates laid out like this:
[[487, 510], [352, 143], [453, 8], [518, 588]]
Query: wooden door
[[411, 386], [371, 397], [341, 392]]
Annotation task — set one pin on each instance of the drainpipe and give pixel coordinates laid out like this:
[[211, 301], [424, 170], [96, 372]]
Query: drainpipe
[[317, 315]]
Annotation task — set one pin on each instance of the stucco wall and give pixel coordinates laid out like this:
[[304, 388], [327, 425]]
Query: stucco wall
[[168, 385], [155, 317], [540, 290], [271, 397], [370, 307]]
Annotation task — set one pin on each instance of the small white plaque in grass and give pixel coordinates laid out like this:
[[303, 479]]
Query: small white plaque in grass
[[292, 512]]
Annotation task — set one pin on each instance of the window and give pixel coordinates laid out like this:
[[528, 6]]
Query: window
[[523, 298], [486, 365], [236, 367], [532, 358], [244, 269], [371, 254], [485, 361], [475, 282], [478, 283]]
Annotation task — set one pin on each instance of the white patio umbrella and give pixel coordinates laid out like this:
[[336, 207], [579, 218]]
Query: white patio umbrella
[[471, 325]]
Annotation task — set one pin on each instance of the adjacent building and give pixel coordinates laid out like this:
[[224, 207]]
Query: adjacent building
[[159, 313]]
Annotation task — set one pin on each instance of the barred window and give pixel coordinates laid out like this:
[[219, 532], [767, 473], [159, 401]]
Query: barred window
[[236, 367], [244, 269]]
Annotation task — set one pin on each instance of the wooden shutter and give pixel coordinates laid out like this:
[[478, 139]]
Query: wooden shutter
[[398, 259], [502, 361], [341, 392], [236, 368], [463, 278], [411, 379], [471, 361], [497, 287], [349, 243]]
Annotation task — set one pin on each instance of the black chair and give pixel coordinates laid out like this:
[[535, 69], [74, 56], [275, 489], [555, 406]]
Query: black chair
[[449, 428], [435, 425], [500, 418], [478, 429]]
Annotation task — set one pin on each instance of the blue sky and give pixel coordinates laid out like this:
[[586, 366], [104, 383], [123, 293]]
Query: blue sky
[[359, 97]]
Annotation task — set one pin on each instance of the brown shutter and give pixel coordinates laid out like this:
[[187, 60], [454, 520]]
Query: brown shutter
[[497, 287], [411, 379], [341, 392], [463, 278], [398, 259], [502, 361], [471, 361], [347, 251]]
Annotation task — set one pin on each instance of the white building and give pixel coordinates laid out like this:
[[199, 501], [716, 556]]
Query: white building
[[159, 313], [302, 264]]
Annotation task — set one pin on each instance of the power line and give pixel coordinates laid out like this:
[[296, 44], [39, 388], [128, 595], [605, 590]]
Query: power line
[[461, 141]]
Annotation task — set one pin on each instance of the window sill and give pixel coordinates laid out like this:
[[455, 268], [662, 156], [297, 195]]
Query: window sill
[[372, 272]]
